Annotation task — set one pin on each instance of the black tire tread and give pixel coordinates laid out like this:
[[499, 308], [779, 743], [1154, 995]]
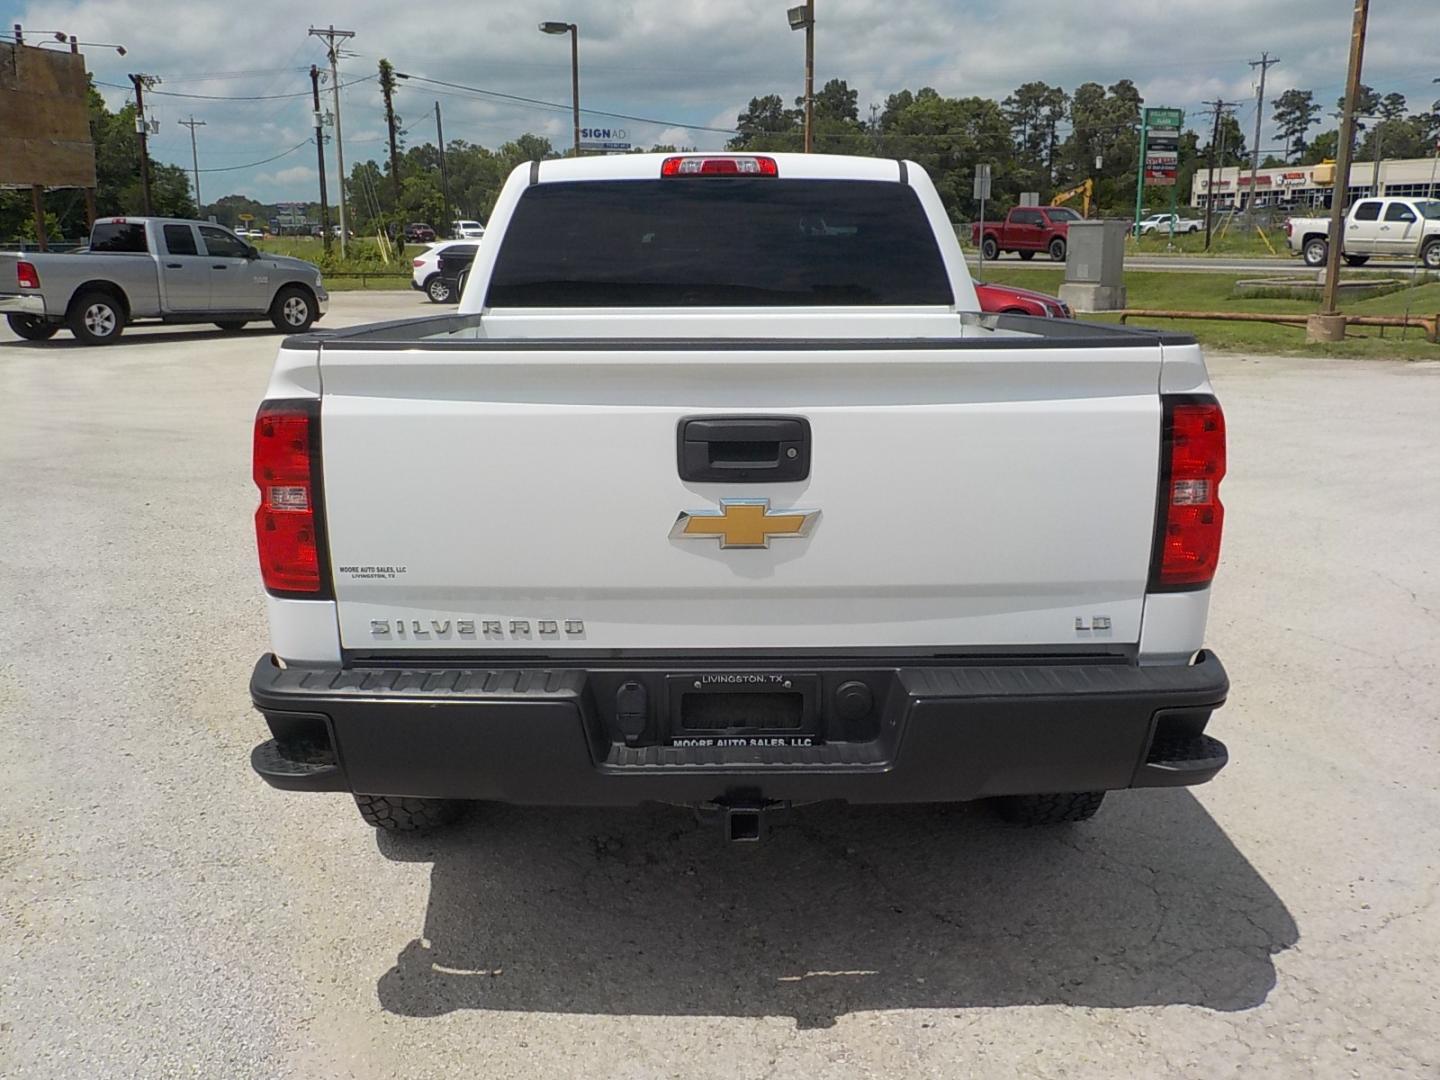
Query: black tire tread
[[398, 813], [1061, 808]]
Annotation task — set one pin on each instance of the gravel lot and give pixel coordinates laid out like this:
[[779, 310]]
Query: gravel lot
[[163, 913]]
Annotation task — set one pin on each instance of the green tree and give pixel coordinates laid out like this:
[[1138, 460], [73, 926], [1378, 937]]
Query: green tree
[[1296, 112]]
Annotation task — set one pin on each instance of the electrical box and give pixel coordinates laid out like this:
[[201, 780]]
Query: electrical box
[[1095, 265]]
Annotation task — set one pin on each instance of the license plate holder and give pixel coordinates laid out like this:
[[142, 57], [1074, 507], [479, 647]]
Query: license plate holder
[[744, 709]]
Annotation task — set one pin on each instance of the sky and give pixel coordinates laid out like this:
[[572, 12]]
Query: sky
[[684, 66]]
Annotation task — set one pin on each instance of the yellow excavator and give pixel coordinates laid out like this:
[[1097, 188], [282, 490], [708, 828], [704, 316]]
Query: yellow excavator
[[1085, 190]]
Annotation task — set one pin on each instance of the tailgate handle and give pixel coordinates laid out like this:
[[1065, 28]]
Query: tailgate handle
[[753, 449]]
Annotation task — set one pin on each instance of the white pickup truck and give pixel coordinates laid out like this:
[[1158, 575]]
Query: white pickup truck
[[718, 491], [1407, 228]]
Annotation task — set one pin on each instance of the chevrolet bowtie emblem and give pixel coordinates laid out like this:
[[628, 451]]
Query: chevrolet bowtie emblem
[[743, 523]]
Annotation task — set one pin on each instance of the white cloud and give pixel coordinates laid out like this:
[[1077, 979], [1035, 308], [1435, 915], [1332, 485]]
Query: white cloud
[[679, 62]]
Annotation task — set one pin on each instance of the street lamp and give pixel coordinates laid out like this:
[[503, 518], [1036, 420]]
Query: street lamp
[[574, 32], [803, 18]]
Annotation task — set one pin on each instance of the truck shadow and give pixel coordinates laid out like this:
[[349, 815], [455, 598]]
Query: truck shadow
[[162, 334], [841, 909]]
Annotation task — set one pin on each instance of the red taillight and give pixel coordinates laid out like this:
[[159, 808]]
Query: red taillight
[[287, 523], [1188, 537], [417, 263], [1289, 228], [27, 275], [719, 166]]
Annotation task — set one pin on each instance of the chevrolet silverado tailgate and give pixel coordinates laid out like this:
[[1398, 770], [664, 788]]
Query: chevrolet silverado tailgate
[[528, 496]]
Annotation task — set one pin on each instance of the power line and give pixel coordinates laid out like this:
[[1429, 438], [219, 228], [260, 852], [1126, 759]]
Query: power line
[[235, 97], [265, 161], [565, 108]]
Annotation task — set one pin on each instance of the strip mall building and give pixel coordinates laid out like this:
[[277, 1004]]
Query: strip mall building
[[1297, 185]]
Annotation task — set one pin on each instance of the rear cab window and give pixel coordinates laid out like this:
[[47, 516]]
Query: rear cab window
[[730, 242], [180, 240], [119, 238]]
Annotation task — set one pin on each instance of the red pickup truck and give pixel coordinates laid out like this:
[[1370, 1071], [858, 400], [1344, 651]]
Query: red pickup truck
[[1027, 229]]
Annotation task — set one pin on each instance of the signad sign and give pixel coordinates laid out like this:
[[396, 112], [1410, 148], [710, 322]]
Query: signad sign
[[604, 139]]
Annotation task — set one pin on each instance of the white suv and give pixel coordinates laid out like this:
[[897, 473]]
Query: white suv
[[467, 230], [425, 275]]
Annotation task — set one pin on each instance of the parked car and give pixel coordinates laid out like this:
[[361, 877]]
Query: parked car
[[1161, 223], [168, 269], [1402, 227], [1010, 300], [425, 270], [465, 229], [717, 492], [417, 232], [1026, 229]]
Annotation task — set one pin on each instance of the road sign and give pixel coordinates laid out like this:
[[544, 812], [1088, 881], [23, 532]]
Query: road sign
[[982, 182], [1164, 118]]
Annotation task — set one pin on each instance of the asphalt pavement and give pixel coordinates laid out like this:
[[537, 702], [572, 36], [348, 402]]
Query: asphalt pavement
[[163, 913]]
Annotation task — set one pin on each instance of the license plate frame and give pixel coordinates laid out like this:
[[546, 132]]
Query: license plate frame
[[789, 715]]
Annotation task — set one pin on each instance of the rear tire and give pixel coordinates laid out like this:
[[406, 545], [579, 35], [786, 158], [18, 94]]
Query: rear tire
[[96, 318], [1316, 251], [231, 325], [32, 327], [1027, 255], [990, 248], [1057, 250], [397, 813], [439, 290], [1431, 255], [1060, 809], [293, 310]]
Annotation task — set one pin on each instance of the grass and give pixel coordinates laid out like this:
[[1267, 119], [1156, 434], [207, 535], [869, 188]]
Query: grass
[[1211, 292]]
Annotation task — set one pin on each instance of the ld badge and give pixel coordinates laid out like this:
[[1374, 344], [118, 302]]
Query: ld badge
[[743, 523]]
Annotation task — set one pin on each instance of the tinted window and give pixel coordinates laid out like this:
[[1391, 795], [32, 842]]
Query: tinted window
[[1026, 217], [1064, 213], [221, 243], [122, 237], [180, 240], [1367, 211], [726, 241], [1399, 212]]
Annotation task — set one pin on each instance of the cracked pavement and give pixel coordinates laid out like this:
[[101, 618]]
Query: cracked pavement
[[163, 913]]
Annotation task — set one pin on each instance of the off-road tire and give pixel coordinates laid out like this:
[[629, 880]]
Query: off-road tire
[[1060, 809], [439, 290], [96, 317], [32, 327], [293, 311], [1316, 251], [397, 813], [230, 326], [990, 248], [1057, 250]]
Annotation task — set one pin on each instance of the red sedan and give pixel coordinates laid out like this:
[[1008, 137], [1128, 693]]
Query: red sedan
[[1009, 300]]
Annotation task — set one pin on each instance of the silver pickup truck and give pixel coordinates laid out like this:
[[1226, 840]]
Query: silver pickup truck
[[170, 270]]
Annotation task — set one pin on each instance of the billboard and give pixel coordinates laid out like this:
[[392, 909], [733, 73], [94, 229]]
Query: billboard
[[44, 119]]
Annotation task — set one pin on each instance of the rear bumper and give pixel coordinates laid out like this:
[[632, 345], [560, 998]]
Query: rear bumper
[[548, 736], [22, 304]]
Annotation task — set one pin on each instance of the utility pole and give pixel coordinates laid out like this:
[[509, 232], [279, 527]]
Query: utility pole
[[809, 76], [1343, 155], [387, 90], [320, 157], [330, 34], [444, 174], [192, 124], [1218, 108], [1264, 65], [142, 129]]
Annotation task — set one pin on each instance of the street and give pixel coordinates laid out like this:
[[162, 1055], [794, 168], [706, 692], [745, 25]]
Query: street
[[164, 913]]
